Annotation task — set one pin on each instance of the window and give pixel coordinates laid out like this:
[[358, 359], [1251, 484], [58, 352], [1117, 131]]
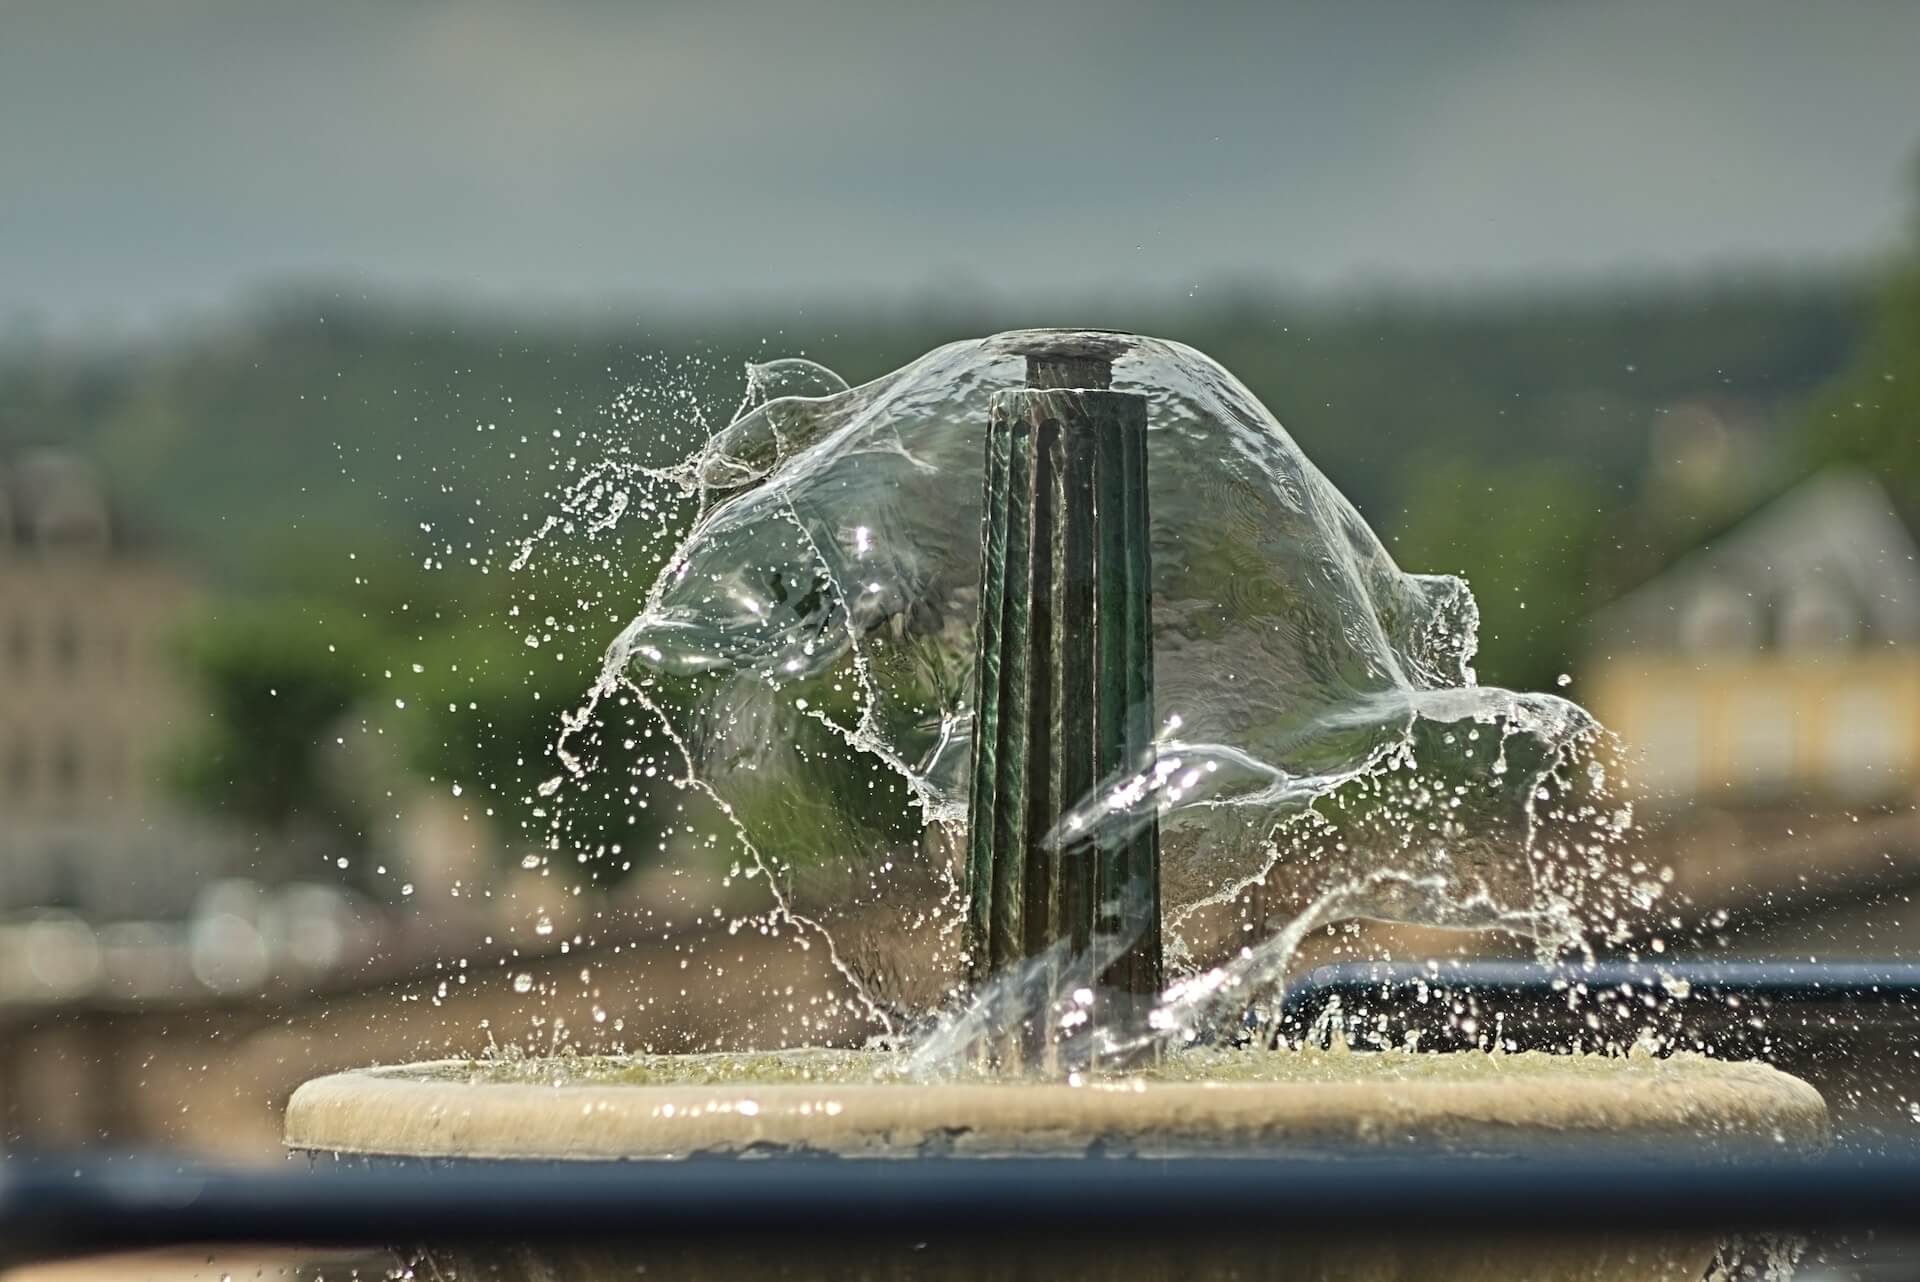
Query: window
[[1760, 738], [1718, 620], [19, 644], [66, 768], [1670, 740], [112, 768], [19, 769], [66, 645], [1866, 742], [1815, 617]]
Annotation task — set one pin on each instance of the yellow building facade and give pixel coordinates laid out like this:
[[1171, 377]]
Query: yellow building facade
[[90, 699], [1780, 661], [1841, 726]]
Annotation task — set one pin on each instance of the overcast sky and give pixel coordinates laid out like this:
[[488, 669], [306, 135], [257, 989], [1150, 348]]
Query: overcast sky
[[165, 154]]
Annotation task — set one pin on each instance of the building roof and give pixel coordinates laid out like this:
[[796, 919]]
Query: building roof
[[53, 501], [1826, 566]]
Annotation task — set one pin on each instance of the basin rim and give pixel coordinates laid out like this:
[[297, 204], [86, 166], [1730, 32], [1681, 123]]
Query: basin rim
[[1621, 1106]]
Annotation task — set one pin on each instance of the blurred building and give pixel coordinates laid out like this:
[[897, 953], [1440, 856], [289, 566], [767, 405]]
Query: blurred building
[[1781, 660], [88, 701]]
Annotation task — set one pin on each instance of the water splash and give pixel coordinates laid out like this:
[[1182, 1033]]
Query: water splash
[[1326, 738]]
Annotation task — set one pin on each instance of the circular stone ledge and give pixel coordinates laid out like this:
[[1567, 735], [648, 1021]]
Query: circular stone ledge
[[1198, 1103]]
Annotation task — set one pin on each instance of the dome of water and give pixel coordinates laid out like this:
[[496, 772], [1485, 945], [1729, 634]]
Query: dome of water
[[1318, 718]]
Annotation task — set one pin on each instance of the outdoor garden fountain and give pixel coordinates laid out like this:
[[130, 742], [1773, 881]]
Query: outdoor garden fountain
[[1129, 655]]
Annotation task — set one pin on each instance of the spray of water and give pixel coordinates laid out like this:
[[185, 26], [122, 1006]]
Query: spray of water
[[1324, 736]]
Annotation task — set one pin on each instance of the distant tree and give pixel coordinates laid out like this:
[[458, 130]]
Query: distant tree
[[1870, 415], [278, 679], [315, 709], [1522, 536], [484, 716], [318, 422]]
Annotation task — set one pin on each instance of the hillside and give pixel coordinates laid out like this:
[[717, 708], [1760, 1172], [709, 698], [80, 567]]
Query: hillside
[[269, 447]]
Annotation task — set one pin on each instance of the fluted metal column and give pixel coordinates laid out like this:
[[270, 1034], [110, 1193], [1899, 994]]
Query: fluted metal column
[[1063, 690]]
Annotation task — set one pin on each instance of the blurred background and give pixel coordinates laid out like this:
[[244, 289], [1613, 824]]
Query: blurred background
[[310, 314]]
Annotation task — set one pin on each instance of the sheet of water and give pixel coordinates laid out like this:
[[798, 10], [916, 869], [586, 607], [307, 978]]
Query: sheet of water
[[1322, 731]]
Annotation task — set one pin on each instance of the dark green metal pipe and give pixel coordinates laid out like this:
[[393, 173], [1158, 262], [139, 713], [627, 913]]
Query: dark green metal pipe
[[1064, 682]]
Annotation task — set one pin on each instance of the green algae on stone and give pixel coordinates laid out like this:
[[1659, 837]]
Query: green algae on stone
[[835, 1067]]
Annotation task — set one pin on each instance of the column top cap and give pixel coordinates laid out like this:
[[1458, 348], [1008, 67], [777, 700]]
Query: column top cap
[[1069, 357]]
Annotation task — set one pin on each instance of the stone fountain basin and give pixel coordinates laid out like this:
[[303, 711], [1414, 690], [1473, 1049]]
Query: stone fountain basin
[[1196, 1103], [1193, 1104]]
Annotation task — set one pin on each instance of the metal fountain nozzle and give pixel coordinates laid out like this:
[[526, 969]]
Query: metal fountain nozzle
[[1063, 687]]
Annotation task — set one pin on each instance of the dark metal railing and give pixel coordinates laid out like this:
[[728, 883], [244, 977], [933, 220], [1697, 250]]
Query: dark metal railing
[[1729, 1008], [60, 1207]]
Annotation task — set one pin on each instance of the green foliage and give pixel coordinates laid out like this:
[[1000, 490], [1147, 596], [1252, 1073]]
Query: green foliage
[[318, 423], [361, 471], [1871, 415], [314, 705], [485, 714], [278, 678], [1522, 537]]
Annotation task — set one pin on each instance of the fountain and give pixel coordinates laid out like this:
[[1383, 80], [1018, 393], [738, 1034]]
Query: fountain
[[1129, 656]]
